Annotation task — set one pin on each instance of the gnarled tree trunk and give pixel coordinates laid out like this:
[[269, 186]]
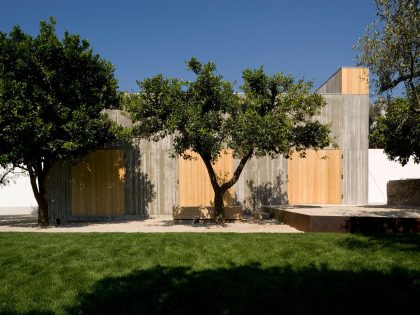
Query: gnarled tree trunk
[[218, 203], [221, 189], [38, 177]]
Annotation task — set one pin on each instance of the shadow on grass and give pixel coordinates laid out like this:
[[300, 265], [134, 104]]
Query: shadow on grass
[[394, 242], [251, 289]]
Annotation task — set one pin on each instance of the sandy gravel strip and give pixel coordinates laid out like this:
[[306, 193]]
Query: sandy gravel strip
[[160, 224]]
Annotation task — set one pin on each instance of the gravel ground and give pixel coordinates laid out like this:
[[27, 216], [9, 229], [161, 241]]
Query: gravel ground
[[158, 224], [165, 224]]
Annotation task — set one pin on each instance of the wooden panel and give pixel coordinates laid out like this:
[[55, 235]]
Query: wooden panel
[[315, 179], [355, 81], [98, 184], [194, 183]]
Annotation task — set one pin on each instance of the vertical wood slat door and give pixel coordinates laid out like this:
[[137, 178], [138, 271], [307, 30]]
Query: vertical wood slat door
[[316, 179], [195, 188], [97, 184]]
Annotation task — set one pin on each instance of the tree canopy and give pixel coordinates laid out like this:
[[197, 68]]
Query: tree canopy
[[52, 92], [398, 131], [391, 47], [274, 115]]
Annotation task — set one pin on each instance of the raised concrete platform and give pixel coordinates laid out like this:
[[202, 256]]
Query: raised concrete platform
[[364, 219]]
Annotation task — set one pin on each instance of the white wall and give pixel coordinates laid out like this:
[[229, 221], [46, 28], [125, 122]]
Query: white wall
[[381, 170], [17, 197]]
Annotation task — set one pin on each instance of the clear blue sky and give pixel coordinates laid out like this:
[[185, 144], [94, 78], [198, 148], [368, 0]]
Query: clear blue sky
[[309, 39]]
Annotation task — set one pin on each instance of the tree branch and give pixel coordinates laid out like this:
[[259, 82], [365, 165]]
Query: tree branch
[[386, 86], [238, 171], [210, 170], [4, 175]]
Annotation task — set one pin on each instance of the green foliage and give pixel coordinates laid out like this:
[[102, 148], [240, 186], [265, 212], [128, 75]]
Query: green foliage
[[272, 116], [52, 93], [398, 132], [376, 111], [391, 46]]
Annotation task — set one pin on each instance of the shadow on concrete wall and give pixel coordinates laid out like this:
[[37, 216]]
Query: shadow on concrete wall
[[266, 194], [140, 190]]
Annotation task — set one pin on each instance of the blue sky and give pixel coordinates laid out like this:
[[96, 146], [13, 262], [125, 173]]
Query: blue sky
[[309, 39]]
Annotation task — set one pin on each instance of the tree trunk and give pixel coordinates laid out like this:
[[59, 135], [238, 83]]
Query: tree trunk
[[220, 190], [43, 219], [218, 203], [40, 192]]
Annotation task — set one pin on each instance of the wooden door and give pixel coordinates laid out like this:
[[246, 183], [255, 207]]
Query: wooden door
[[195, 189], [98, 184], [316, 179]]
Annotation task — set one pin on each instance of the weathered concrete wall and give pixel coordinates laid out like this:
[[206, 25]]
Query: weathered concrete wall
[[160, 176], [349, 118], [382, 170], [59, 192], [262, 182], [404, 192]]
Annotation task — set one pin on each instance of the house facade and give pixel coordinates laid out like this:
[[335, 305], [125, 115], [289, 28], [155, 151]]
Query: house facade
[[140, 179]]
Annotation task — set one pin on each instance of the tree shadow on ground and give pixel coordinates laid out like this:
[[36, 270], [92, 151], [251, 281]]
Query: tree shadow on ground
[[19, 220], [251, 289], [409, 243]]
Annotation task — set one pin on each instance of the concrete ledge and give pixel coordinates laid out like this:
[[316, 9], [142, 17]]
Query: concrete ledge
[[205, 213], [335, 223]]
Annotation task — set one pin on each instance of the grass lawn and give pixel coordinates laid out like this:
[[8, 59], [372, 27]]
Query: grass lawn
[[209, 273]]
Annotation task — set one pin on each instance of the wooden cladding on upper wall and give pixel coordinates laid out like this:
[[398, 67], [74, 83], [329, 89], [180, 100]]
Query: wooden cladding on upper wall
[[347, 81], [97, 184], [355, 81]]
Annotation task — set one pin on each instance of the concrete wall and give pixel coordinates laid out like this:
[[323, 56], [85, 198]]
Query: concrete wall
[[263, 182], [349, 118], [382, 170], [17, 197]]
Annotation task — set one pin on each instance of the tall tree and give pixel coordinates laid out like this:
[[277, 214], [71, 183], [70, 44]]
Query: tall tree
[[52, 93], [274, 116], [398, 131], [391, 47]]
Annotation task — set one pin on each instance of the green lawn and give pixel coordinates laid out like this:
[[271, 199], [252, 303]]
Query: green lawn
[[209, 273]]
